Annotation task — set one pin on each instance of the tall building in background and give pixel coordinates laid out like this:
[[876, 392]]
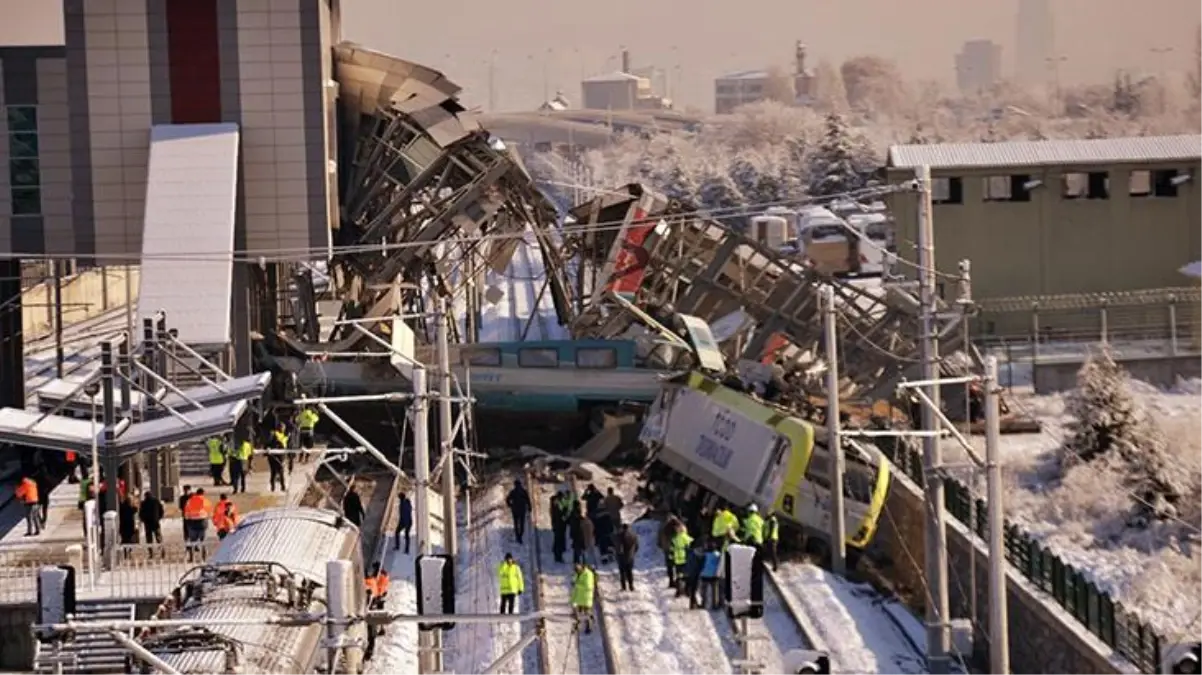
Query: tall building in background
[[978, 65], [1035, 44]]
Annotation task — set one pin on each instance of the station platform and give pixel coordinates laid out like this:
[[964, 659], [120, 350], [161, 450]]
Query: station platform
[[142, 572]]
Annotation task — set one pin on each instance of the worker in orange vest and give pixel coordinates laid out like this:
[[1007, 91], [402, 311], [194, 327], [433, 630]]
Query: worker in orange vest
[[27, 493], [377, 587], [225, 517], [72, 467], [196, 522]]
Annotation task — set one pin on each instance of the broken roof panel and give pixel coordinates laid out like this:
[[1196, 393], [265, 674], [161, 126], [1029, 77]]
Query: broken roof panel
[[170, 430]]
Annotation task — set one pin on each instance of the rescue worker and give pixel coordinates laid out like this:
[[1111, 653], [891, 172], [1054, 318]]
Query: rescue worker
[[560, 514], [584, 588], [509, 578], [150, 512], [377, 587], [217, 453], [225, 517], [680, 555], [666, 532], [352, 507], [240, 464], [613, 506], [772, 539], [726, 525], [27, 494], [275, 460], [588, 542], [628, 547], [196, 522], [182, 502], [306, 421], [710, 567], [518, 501], [404, 521], [753, 527]]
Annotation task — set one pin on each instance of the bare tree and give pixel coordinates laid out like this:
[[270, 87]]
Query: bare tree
[[874, 84]]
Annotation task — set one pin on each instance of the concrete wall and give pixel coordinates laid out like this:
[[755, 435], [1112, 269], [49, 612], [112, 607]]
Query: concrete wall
[[1053, 376], [85, 295], [1043, 637], [1052, 245]]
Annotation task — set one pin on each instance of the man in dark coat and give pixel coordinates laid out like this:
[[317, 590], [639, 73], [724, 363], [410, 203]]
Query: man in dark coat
[[151, 514], [519, 506], [577, 532], [404, 521], [559, 525], [628, 546], [592, 501], [604, 533], [127, 522], [352, 507]]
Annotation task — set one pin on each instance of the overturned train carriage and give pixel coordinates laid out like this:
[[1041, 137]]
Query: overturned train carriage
[[711, 445], [273, 565]]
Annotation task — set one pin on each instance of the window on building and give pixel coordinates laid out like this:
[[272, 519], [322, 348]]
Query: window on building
[[948, 190], [997, 189], [25, 176], [1140, 184], [1018, 188], [538, 358], [1099, 185], [597, 357], [1162, 183], [1074, 185], [480, 356]]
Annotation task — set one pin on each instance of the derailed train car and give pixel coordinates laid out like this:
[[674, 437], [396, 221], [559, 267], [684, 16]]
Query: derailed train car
[[721, 445], [274, 564]]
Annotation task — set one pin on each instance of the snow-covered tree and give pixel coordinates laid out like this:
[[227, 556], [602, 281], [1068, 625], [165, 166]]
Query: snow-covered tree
[[677, 183], [833, 168], [718, 194], [1108, 424]]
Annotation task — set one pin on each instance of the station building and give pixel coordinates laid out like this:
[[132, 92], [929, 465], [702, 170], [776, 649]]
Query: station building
[[1057, 217], [178, 130]]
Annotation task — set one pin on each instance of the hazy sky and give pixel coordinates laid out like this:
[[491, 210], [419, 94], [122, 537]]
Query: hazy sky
[[707, 38], [696, 45]]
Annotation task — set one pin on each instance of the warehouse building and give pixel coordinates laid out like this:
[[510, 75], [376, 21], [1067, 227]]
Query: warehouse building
[[1043, 218]]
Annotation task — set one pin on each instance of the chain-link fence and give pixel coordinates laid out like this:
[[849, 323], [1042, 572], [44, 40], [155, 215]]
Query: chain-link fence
[[1070, 588]]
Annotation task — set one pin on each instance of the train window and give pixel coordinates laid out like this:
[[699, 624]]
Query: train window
[[597, 357], [857, 484], [481, 357], [538, 358], [775, 471], [819, 471]]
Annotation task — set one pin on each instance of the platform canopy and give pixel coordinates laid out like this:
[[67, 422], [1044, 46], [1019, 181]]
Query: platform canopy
[[52, 432], [246, 388]]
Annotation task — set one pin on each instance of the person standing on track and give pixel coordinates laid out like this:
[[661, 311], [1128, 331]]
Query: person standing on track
[[306, 424], [352, 507], [217, 456], [753, 527], [275, 460], [628, 546], [560, 508], [240, 464], [183, 502], [518, 502], [404, 521], [681, 540], [666, 532], [613, 505], [584, 589], [772, 540], [509, 578], [710, 566]]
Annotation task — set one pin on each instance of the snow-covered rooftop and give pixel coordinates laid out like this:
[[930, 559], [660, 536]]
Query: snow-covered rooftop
[[1098, 151], [616, 76], [746, 75]]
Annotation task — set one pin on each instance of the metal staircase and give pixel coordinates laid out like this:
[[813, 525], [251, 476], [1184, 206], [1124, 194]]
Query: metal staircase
[[89, 652]]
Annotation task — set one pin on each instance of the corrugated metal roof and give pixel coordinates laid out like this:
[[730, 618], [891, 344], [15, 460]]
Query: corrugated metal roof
[[746, 75], [169, 430], [301, 539], [617, 76], [188, 232], [1133, 150]]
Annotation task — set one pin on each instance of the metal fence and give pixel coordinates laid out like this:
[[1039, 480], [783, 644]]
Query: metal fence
[[1093, 608], [141, 571]]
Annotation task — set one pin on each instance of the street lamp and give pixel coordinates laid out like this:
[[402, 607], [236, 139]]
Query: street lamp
[[92, 391]]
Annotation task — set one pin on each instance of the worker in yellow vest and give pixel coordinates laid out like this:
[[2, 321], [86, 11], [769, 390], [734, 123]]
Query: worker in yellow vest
[[306, 422], [753, 526], [217, 455], [240, 464], [772, 539], [275, 461]]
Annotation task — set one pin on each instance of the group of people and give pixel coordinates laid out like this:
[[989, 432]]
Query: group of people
[[197, 510], [275, 437], [694, 564]]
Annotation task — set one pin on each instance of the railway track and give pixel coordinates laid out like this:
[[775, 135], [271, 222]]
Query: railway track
[[566, 649], [377, 489]]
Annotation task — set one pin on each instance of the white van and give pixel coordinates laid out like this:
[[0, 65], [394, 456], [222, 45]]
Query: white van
[[876, 233]]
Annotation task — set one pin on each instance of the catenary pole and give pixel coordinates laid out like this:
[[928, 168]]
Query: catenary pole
[[446, 430], [834, 442], [421, 496], [935, 532], [999, 638]]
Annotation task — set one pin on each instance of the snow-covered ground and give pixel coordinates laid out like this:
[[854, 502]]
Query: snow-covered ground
[[475, 646], [1156, 572], [396, 649], [505, 320], [865, 632]]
